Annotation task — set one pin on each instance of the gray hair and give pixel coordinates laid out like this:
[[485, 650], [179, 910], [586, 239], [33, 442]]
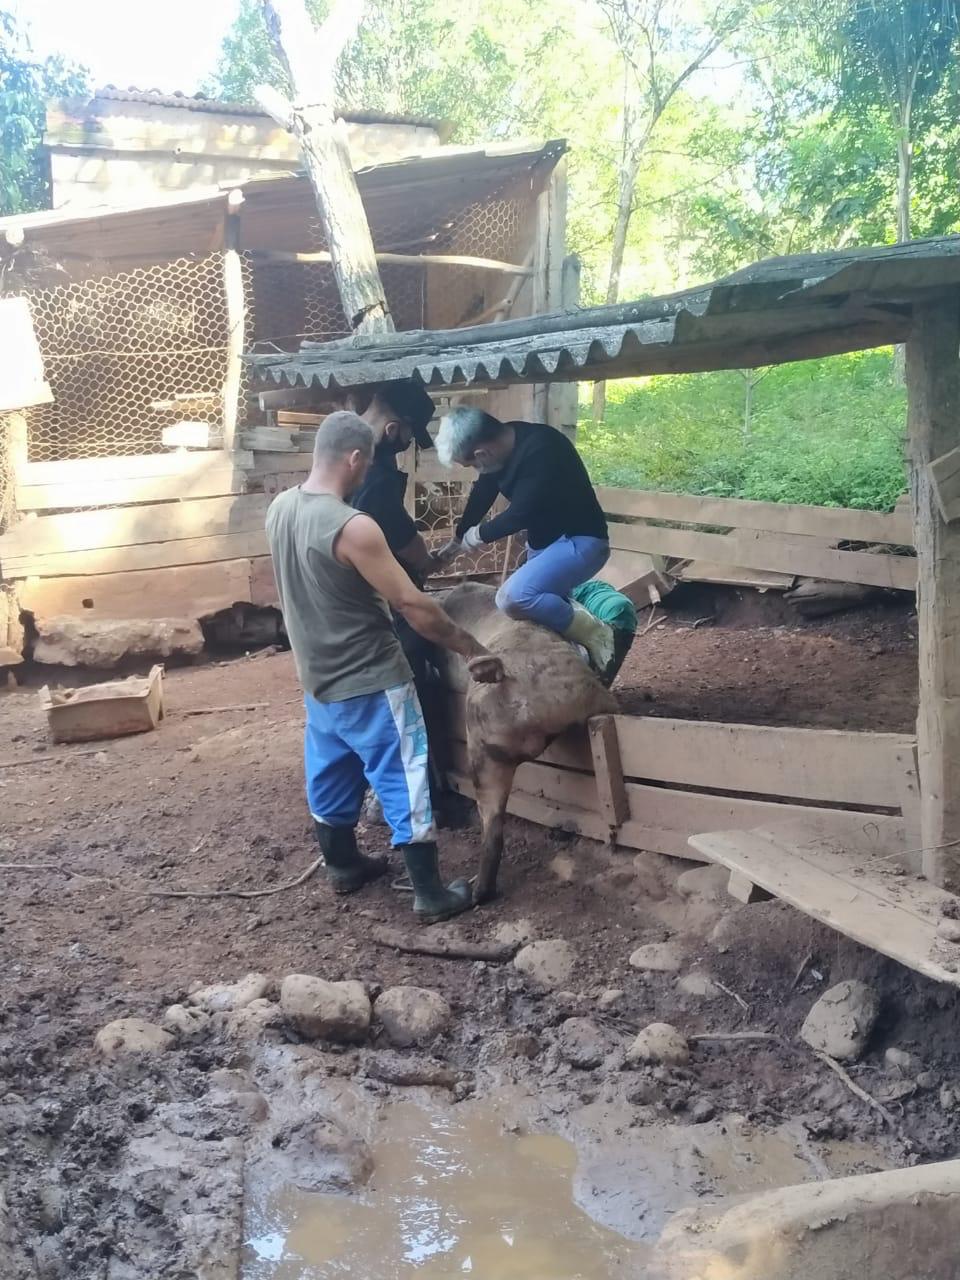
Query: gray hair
[[341, 433], [461, 431]]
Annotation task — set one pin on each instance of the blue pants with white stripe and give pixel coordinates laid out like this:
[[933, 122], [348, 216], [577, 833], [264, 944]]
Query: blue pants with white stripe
[[380, 737]]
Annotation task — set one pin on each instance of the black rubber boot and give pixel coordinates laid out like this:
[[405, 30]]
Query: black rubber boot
[[431, 901], [347, 868]]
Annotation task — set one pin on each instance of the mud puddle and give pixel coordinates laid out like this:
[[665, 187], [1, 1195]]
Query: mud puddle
[[452, 1194], [463, 1191]]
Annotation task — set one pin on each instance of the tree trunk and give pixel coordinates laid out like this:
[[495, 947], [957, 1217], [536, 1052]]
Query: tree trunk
[[627, 184], [904, 191]]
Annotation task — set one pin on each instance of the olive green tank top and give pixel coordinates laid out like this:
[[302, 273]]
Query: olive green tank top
[[339, 628]]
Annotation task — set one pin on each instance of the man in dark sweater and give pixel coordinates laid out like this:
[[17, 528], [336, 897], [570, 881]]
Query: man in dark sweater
[[538, 469]]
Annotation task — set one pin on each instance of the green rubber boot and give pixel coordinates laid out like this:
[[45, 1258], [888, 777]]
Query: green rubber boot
[[431, 901], [347, 868]]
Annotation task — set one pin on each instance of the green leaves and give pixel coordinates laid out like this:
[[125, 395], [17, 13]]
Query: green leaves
[[25, 85]]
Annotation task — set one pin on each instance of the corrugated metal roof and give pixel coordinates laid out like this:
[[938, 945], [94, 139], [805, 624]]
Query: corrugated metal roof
[[416, 192], [200, 102], [778, 310]]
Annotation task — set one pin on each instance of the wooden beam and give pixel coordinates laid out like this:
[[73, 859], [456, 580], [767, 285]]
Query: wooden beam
[[207, 482], [236, 318], [82, 472], [403, 260], [310, 57], [752, 550], [611, 789], [146, 555], [944, 476], [840, 523], [933, 386], [190, 591]]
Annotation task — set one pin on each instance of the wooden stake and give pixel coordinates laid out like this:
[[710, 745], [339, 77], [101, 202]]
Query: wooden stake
[[310, 56], [611, 788], [236, 315], [933, 386]]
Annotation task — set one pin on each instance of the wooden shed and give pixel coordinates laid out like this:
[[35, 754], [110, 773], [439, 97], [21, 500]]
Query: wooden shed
[[140, 491], [861, 830]]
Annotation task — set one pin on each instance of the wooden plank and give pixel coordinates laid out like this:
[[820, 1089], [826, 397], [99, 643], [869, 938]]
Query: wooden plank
[[894, 915], [236, 319], [611, 789], [33, 540], [81, 471], [192, 591], [944, 476], [772, 517], [744, 890], [147, 555], [749, 549], [203, 482], [908, 793], [662, 820], [731, 576], [263, 585], [933, 386], [402, 260], [270, 462], [829, 765]]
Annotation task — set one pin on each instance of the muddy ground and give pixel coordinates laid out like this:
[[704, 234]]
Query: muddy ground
[[215, 801]]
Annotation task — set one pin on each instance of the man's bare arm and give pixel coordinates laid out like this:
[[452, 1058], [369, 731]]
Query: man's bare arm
[[362, 545]]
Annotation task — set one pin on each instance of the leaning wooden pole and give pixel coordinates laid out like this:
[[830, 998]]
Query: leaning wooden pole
[[933, 388], [310, 55]]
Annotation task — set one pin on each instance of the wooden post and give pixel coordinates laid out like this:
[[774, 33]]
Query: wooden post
[[236, 318], [933, 386], [608, 771], [310, 57]]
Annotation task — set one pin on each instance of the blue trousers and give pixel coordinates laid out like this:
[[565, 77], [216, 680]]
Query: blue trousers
[[377, 737], [539, 591]]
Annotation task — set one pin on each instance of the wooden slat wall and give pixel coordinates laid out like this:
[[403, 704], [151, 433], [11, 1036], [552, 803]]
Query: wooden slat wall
[[688, 777]]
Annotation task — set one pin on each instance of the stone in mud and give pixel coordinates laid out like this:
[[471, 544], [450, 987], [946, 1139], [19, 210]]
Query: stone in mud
[[253, 1021], [186, 1022], [547, 964], [610, 997], [709, 883], [702, 1110], [411, 1015], [908, 1064], [581, 1043], [840, 1022], [514, 932], [322, 1010], [564, 868], [699, 985], [221, 997], [657, 957], [132, 1037], [660, 1043], [949, 930], [321, 1155]]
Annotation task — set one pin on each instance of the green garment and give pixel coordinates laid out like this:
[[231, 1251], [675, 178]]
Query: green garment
[[607, 604]]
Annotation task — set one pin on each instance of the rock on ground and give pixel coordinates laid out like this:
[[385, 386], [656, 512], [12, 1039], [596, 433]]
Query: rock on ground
[[253, 1021], [83, 642], [908, 1064], [699, 985], [609, 997], [660, 1043], [709, 883], [547, 964], [132, 1036], [411, 1015], [322, 1156], [581, 1043], [185, 1022], [322, 1010], [514, 932], [564, 868], [840, 1022], [222, 997], [658, 957]]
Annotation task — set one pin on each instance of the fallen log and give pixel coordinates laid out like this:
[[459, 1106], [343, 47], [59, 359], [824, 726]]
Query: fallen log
[[446, 949]]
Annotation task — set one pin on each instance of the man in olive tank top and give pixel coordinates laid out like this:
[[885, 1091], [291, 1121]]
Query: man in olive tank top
[[337, 581]]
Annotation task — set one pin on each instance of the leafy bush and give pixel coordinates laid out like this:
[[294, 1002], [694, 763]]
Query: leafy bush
[[823, 432]]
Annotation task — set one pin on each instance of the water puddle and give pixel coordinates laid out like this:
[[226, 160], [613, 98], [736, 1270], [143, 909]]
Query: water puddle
[[455, 1193], [452, 1195]]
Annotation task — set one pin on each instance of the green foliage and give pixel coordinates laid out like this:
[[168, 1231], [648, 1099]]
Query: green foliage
[[823, 432], [25, 85]]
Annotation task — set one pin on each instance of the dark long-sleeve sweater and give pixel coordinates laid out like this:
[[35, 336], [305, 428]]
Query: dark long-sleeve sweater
[[549, 490]]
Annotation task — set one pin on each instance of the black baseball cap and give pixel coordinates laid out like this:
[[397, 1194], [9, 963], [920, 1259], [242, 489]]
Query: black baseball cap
[[412, 405]]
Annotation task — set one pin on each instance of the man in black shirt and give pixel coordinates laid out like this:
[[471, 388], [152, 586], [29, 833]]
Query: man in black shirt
[[551, 497]]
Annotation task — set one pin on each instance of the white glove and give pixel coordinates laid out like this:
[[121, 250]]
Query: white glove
[[472, 539]]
